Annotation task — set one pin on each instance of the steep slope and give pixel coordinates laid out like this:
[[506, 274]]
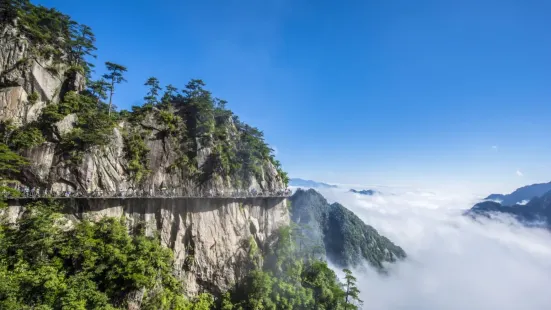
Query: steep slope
[[521, 194], [345, 239]]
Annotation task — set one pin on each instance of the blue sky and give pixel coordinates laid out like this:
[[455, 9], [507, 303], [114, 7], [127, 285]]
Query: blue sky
[[372, 92]]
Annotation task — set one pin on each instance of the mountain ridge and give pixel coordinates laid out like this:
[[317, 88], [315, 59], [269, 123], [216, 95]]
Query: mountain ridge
[[521, 194], [346, 240], [298, 182]]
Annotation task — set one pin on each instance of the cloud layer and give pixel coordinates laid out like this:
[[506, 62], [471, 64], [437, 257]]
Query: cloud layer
[[454, 262]]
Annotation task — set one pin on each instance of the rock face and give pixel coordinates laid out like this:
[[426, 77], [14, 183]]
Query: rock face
[[192, 148], [24, 73], [347, 240], [210, 237], [106, 169]]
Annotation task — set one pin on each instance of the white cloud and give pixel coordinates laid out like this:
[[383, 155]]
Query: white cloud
[[454, 262], [519, 173]]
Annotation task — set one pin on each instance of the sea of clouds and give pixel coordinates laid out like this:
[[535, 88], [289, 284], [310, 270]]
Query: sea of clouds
[[454, 262]]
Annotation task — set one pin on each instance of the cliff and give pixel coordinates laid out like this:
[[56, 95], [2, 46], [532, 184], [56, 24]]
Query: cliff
[[30, 78], [210, 238], [187, 142], [344, 238]]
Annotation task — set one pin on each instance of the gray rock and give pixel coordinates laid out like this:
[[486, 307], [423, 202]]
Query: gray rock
[[23, 72], [65, 125], [209, 237]]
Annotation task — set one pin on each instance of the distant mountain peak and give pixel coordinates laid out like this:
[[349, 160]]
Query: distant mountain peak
[[521, 194], [298, 182], [366, 192], [536, 212]]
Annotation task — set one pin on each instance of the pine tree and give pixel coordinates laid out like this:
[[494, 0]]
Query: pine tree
[[114, 77], [99, 89], [81, 45], [352, 293], [10, 162], [152, 97]]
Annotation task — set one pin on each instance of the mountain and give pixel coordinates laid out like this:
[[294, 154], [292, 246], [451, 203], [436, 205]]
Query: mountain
[[344, 237], [537, 211], [366, 192], [524, 193], [55, 116], [309, 183]]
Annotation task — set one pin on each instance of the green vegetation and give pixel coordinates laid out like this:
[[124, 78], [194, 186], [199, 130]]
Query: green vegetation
[[352, 292], [113, 77], [46, 265], [191, 122], [26, 137], [20, 138], [53, 33], [136, 152], [346, 239], [290, 278], [10, 162]]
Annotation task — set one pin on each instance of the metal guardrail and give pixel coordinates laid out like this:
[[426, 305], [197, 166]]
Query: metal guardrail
[[34, 193]]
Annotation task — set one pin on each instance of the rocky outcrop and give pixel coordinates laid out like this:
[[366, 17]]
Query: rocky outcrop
[[188, 145], [210, 237], [106, 168], [23, 72]]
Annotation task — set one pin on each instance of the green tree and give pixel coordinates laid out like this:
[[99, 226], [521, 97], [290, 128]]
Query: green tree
[[99, 89], [170, 92], [115, 76], [10, 162], [44, 265], [81, 45], [352, 293], [26, 137], [9, 9], [152, 97]]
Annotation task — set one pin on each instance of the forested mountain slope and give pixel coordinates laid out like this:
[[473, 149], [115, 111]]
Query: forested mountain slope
[[340, 235]]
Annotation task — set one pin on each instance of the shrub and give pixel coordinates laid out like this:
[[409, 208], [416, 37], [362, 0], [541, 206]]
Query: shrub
[[26, 137], [136, 153]]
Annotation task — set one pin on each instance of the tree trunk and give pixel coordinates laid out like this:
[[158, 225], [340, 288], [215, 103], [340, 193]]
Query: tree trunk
[[111, 95]]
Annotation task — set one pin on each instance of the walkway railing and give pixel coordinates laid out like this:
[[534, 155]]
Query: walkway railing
[[163, 193]]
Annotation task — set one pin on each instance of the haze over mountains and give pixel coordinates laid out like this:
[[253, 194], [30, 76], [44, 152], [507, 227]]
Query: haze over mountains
[[450, 256], [530, 205], [309, 183], [524, 193]]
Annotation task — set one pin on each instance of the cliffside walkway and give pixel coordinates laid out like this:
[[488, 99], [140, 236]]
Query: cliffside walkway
[[45, 194]]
